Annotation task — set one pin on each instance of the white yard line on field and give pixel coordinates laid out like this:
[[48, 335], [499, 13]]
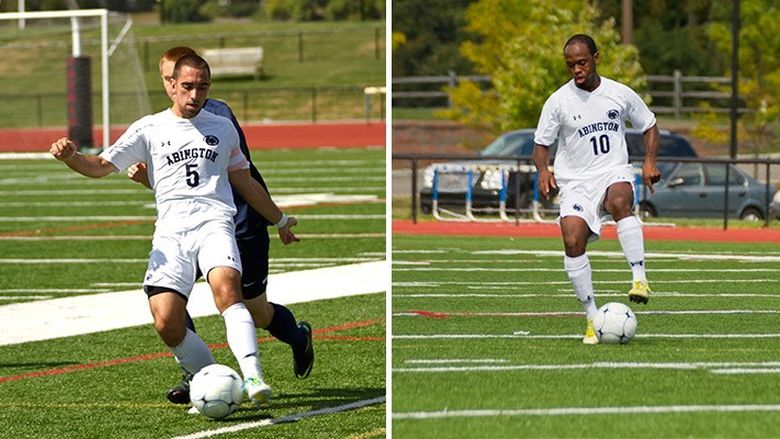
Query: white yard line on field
[[42, 320], [588, 411], [149, 237], [648, 255], [568, 295], [713, 367], [744, 371], [142, 190], [25, 219], [289, 418], [526, 335], [605, 270], [579, 313], [456, 360]]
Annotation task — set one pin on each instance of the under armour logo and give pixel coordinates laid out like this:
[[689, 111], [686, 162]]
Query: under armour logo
[[640, 263], [163, 143], [577, 117]]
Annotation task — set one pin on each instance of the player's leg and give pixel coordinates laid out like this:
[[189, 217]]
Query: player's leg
[[167, 309], [277, 319], [240, 329], [169, 271], [618, 201], [180, 394], [576, 232]]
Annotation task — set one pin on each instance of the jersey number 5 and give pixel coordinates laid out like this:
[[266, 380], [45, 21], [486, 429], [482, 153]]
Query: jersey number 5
[[603, 144], [192, 175]]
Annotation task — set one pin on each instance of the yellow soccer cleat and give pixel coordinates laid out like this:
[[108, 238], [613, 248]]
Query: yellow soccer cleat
[[640, 292], [590, 334]]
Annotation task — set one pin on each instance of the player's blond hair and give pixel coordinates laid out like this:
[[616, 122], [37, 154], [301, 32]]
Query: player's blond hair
[[174, 53]]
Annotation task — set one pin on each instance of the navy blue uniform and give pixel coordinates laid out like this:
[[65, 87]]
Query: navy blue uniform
[[251, 228]]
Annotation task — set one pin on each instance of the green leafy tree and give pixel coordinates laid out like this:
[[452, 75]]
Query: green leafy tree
[[759, 67], [519, 44]]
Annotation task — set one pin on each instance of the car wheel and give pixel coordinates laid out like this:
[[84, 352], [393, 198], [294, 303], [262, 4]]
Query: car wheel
[[646, 210], [751, 214]]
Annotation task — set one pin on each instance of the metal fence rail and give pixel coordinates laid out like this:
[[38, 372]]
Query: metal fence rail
[[407, 176], [672, 94]]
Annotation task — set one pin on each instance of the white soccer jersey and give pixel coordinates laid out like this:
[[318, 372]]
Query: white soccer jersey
[[590, 128], [188, 162]]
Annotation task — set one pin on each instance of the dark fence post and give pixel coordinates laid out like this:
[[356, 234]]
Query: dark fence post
[[766, 207], [376, 43], [414, 190], [726, 199], [246, 105], [39, 109], [314, 104], [300, 46]]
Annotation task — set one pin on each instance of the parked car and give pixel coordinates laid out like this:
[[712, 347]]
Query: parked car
[[486, 182], [697, 190]]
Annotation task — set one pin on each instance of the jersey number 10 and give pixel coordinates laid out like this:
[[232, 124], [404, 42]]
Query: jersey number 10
[[602, 144]]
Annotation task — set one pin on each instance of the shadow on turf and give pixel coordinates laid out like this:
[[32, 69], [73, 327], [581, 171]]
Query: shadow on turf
[[37, 364], [311, 400]]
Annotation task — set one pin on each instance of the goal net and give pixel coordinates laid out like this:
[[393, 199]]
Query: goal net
[[34, 54]]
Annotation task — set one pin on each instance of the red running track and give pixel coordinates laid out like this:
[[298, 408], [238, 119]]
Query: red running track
[[260, 136], [553, 231]]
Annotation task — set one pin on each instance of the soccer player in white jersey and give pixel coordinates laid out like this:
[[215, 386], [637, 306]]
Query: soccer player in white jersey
[[587, 117], [193, 158]]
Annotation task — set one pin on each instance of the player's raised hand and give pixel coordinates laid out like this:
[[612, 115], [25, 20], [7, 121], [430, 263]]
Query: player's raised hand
[[546, 183], [650, 175], [62, 149], [138, 173], [286, 234]]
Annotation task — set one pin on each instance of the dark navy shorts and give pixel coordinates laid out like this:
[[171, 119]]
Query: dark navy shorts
[[254, 263]]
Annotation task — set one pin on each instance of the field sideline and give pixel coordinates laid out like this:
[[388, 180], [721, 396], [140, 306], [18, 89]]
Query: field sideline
[[486, 337]]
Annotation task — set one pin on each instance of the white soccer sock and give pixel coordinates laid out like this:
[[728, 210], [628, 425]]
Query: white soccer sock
[[578, 269], [242, 339], [192, 353], [629, 232]]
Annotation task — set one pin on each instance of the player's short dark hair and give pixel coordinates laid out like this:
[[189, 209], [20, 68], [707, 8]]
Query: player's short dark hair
[[584, 39], [192, 60]]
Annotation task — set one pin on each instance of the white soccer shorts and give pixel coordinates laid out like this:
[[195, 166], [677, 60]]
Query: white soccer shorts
[[585, 199], [175, 258]]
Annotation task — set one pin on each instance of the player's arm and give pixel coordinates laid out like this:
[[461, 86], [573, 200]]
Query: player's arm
[[257, 197], [541, 157], [92, 166], [650, 172], [139, 174]]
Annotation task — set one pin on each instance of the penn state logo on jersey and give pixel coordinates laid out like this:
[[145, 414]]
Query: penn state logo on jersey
[[578, 208], [613, 114], [211, 140]]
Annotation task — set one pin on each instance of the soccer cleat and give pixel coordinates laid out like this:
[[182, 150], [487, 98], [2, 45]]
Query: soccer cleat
[[258, 391], [181, 393], [640, 291], [590, 334], [303, 361]]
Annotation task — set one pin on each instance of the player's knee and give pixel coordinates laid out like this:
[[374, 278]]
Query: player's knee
[[171, 331], [573, 245]]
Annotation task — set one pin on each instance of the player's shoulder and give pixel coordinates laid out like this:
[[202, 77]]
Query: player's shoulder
[[613, 85], [218, 107]]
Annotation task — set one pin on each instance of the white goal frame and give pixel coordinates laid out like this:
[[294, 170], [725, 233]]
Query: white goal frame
[[103, 14]]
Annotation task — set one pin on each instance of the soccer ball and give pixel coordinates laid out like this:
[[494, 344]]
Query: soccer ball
[[216, 391], [615, 323]]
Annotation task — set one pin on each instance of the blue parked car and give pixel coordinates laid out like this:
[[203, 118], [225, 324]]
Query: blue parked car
[[697, 190]]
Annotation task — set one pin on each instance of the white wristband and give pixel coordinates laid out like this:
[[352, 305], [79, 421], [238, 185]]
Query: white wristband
[[282, 221]]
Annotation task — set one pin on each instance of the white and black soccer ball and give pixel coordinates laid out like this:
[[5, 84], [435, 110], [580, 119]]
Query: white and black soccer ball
[[615, 323], [216, 391]]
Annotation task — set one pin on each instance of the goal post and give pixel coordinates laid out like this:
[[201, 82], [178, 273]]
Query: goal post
[[102, 14]]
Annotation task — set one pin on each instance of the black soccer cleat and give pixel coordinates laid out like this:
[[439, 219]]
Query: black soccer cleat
[[181, 393], [303, 361]]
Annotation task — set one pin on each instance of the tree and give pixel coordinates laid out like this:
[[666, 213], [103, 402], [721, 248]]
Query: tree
[[520, 46], [429, 33], [759, 66]]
